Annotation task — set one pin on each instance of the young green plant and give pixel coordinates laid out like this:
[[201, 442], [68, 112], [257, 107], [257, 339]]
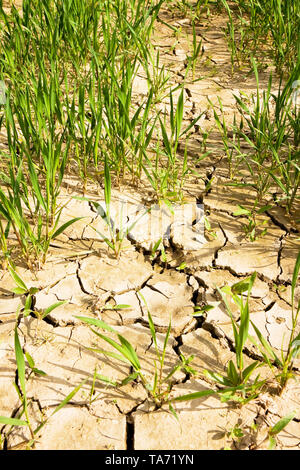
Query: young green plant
[[237, 384], [118, 231], [159, 390]]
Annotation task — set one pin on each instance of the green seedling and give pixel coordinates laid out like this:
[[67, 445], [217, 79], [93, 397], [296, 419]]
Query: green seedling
[[158, 250], [236, 433], [157, 77], [237, 384], [274, 430], [197, 49], [21, 387], [117, 234], [31, 364], [167, 179], [277, 428], [283, 366], [160, 388], [230, 34], [231, 147], [251, 229], [22, 289], [3, 244], [209, 229], [29, 293], [199, 311], [181, 267]]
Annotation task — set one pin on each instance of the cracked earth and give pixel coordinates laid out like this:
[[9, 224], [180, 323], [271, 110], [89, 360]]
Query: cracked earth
[[81, 271]]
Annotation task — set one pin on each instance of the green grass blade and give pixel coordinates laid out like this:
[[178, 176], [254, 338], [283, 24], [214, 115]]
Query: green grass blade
[[130, 378], [69, 397], [272, 443], [173, 412], [19, 291], [248, 371], [131, 354], [193, 396], [12, 421], [179, 114], [266, 345], [166, 341], [106, 379], [150, 321], [30, 360], [282, 423], [107, 185], [63, 227], [232, 373], [109, 353], [96, 322], [53, 306], [17, 279], [122, 348]]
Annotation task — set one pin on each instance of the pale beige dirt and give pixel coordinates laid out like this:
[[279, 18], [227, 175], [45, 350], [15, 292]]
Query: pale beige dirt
[[82, 271]]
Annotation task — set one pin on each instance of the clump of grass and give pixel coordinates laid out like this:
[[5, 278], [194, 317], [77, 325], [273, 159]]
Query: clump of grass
[[270, 134], [277, 428], [253, 229], [168, 179], [159, 389], [157, 75], [271, 138], [73, 104], [29, 293], [37, 155], [127, 131], [237, 384], [260, 28], [196, 52], [237, 378], [239, 432]]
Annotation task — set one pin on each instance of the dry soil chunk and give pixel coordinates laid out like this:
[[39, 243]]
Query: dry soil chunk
[[210, 353], [246, 257], [168, 295], [8, 394], [74, 428], [134, 312], [62, 354], [203, 257], [116, 276], [279, 325], [201, 423]]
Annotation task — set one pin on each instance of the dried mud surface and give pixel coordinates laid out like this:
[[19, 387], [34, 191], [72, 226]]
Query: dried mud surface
[[82, 271]]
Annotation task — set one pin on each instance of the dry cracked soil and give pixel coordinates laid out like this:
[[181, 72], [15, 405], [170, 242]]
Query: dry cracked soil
[[81, 270]]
